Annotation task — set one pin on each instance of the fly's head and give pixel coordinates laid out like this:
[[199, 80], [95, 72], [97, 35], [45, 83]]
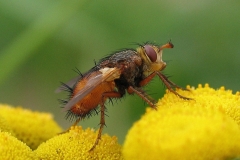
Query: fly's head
[[152, 57]]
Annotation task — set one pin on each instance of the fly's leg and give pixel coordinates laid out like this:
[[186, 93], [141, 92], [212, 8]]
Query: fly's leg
[[102, 123], [141, 94], [145, 81], [102, 110], [169, 84]]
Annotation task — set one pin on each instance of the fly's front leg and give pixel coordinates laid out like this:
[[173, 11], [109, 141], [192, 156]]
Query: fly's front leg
[[169, 84], [145, 81], [102, 110]]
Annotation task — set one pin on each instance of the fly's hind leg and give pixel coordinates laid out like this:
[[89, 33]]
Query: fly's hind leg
[[102, 124], [102, 110]]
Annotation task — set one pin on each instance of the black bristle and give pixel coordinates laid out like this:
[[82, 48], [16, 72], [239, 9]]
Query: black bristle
[[111, 101], [78, 71], [62, 101], [67, 88], [95, 62], [96, 111]]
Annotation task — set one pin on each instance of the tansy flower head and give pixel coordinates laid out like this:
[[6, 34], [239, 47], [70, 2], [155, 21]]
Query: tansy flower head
[[76, 144], [30, 127], [12, 148], [4, 126], [206, 127]]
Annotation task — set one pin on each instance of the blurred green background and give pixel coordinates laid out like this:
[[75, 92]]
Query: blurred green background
[[42, 41]]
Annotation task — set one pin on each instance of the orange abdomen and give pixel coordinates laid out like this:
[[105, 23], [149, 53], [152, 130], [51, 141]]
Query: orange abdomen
[[94, 98]]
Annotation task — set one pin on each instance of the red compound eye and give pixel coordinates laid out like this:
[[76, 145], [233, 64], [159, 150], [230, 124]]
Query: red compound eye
[[150, 53]]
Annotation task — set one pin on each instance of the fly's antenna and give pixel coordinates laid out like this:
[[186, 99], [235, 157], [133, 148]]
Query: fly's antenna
[[167, 45]]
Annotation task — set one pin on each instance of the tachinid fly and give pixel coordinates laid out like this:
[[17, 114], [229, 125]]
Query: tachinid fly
[[123, 71]]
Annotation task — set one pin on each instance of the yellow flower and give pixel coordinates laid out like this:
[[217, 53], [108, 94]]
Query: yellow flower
[[34, 128], [30, 127], [207, 127], [76, 144], [12, 148], [4, 126]]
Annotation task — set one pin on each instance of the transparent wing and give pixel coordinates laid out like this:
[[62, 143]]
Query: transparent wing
[[108, 74]]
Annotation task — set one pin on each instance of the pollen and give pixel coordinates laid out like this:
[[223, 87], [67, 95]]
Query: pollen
[[207, 127]]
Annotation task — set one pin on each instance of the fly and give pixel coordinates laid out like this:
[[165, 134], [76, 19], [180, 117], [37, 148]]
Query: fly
[[123, 71]]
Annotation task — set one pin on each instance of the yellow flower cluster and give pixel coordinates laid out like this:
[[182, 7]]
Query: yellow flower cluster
[[12, 148], [22, 130], [207, 127], [4, 126], [76, 144], [30, 127]]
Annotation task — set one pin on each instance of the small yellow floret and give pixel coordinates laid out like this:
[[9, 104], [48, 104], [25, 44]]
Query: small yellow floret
[[30, 127], [76, 144], [12, 148], [206, 127]]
